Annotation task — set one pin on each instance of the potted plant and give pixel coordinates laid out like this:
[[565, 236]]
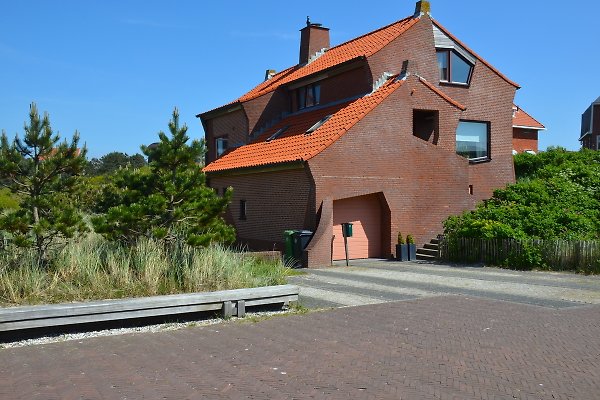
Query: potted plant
[[401, 249], [412, 248]]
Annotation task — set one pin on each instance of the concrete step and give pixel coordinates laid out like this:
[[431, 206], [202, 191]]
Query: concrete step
[[428, 252], [434, 241], [432, 246], [426, 257]]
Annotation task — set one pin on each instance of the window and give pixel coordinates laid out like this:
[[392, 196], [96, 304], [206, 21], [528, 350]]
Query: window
[[220, 145], [309, 96], [425, 125], [453, 67], [317, 125], [242, 209], [277, 133], [472, 140]]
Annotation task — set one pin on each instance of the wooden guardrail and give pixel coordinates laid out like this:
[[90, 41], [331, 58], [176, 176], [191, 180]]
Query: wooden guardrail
[[230, 302]]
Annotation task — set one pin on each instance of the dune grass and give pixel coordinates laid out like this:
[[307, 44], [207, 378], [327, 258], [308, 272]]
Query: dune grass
[[93, 268]]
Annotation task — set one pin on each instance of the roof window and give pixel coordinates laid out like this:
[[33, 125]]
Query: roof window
[[277, 133], [318, 124]]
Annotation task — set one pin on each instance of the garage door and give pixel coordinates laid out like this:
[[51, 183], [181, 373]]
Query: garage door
[[365, 214]]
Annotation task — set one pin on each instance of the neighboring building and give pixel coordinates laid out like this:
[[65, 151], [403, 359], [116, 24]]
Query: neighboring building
[[394, 131], [525, 132], [590, 126]]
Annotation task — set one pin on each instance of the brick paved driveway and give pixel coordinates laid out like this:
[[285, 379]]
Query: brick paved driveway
[[445, 347]]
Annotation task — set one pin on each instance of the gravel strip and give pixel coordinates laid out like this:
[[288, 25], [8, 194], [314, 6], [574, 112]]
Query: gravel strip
[[167, 326]]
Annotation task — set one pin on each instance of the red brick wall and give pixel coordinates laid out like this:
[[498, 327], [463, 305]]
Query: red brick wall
[[525, 139], [312, 39], [275, 201], [348, 84], [266, 108], [416, 45], [233, 125], [489, 98], [421, 183]]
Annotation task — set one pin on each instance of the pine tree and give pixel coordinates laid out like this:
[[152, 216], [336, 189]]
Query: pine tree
[[43, 173], [168, 200]]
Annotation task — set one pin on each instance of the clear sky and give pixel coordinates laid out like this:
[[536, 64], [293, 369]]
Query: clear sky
[[114, 70]]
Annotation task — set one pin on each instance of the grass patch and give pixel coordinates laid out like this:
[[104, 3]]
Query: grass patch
[[93, 268]]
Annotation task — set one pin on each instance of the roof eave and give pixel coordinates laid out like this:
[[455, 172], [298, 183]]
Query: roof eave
[[537, 128], [236, 105], [275, 166]]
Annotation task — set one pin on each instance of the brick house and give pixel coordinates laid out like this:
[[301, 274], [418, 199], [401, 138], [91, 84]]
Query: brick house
[[590, 126], [394, 131], [525, 131]]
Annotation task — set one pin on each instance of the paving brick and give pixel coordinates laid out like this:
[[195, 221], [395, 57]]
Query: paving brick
[[432, 348]]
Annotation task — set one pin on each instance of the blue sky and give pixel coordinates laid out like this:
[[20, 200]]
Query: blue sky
[[114, 70]]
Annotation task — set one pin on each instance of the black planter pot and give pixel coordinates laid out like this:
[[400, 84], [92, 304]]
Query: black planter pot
[[402, 252], [412, 252]]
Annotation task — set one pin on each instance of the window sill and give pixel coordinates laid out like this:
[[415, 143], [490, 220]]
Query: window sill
[[455, 84], [479, 160]]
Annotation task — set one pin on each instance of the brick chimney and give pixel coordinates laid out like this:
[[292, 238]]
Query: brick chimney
[[313, 38], [423, 7]]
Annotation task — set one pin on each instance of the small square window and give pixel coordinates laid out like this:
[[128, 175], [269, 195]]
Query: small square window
[[425, 125]]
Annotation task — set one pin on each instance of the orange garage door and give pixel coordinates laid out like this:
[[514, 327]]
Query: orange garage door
[[365, 214]]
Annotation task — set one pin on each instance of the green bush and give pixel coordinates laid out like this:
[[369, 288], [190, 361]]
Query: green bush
[[528, 258]]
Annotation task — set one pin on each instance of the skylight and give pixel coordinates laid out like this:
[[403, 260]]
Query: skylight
[[318, 124], [277, 133]]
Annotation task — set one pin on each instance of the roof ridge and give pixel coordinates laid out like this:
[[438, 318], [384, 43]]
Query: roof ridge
[[374, 31]]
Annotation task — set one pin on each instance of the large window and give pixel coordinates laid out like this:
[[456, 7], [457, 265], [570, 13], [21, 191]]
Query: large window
[[220, 145], [309, 96], [473, 139], [453, 67]]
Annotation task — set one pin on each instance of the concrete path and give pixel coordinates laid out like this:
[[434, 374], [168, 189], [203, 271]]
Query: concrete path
[[379, 281]]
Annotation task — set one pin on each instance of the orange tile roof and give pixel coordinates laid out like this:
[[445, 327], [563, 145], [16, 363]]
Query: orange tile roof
[[295, 145], [362, 46], [523, 119], [451, 36]]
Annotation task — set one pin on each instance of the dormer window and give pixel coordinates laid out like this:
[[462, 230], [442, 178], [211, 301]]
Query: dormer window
[[309, 95], [453, 67]]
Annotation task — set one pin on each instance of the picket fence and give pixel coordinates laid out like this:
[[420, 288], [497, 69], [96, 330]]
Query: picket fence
[[560, 255]]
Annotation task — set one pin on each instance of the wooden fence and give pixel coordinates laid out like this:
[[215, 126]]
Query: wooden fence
[[559, 255]]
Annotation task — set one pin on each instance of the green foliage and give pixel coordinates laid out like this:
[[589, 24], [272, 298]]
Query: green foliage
[[400, 238], [557, 196], [167, 200], [114, 161], [43, 173], [410, 239]]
